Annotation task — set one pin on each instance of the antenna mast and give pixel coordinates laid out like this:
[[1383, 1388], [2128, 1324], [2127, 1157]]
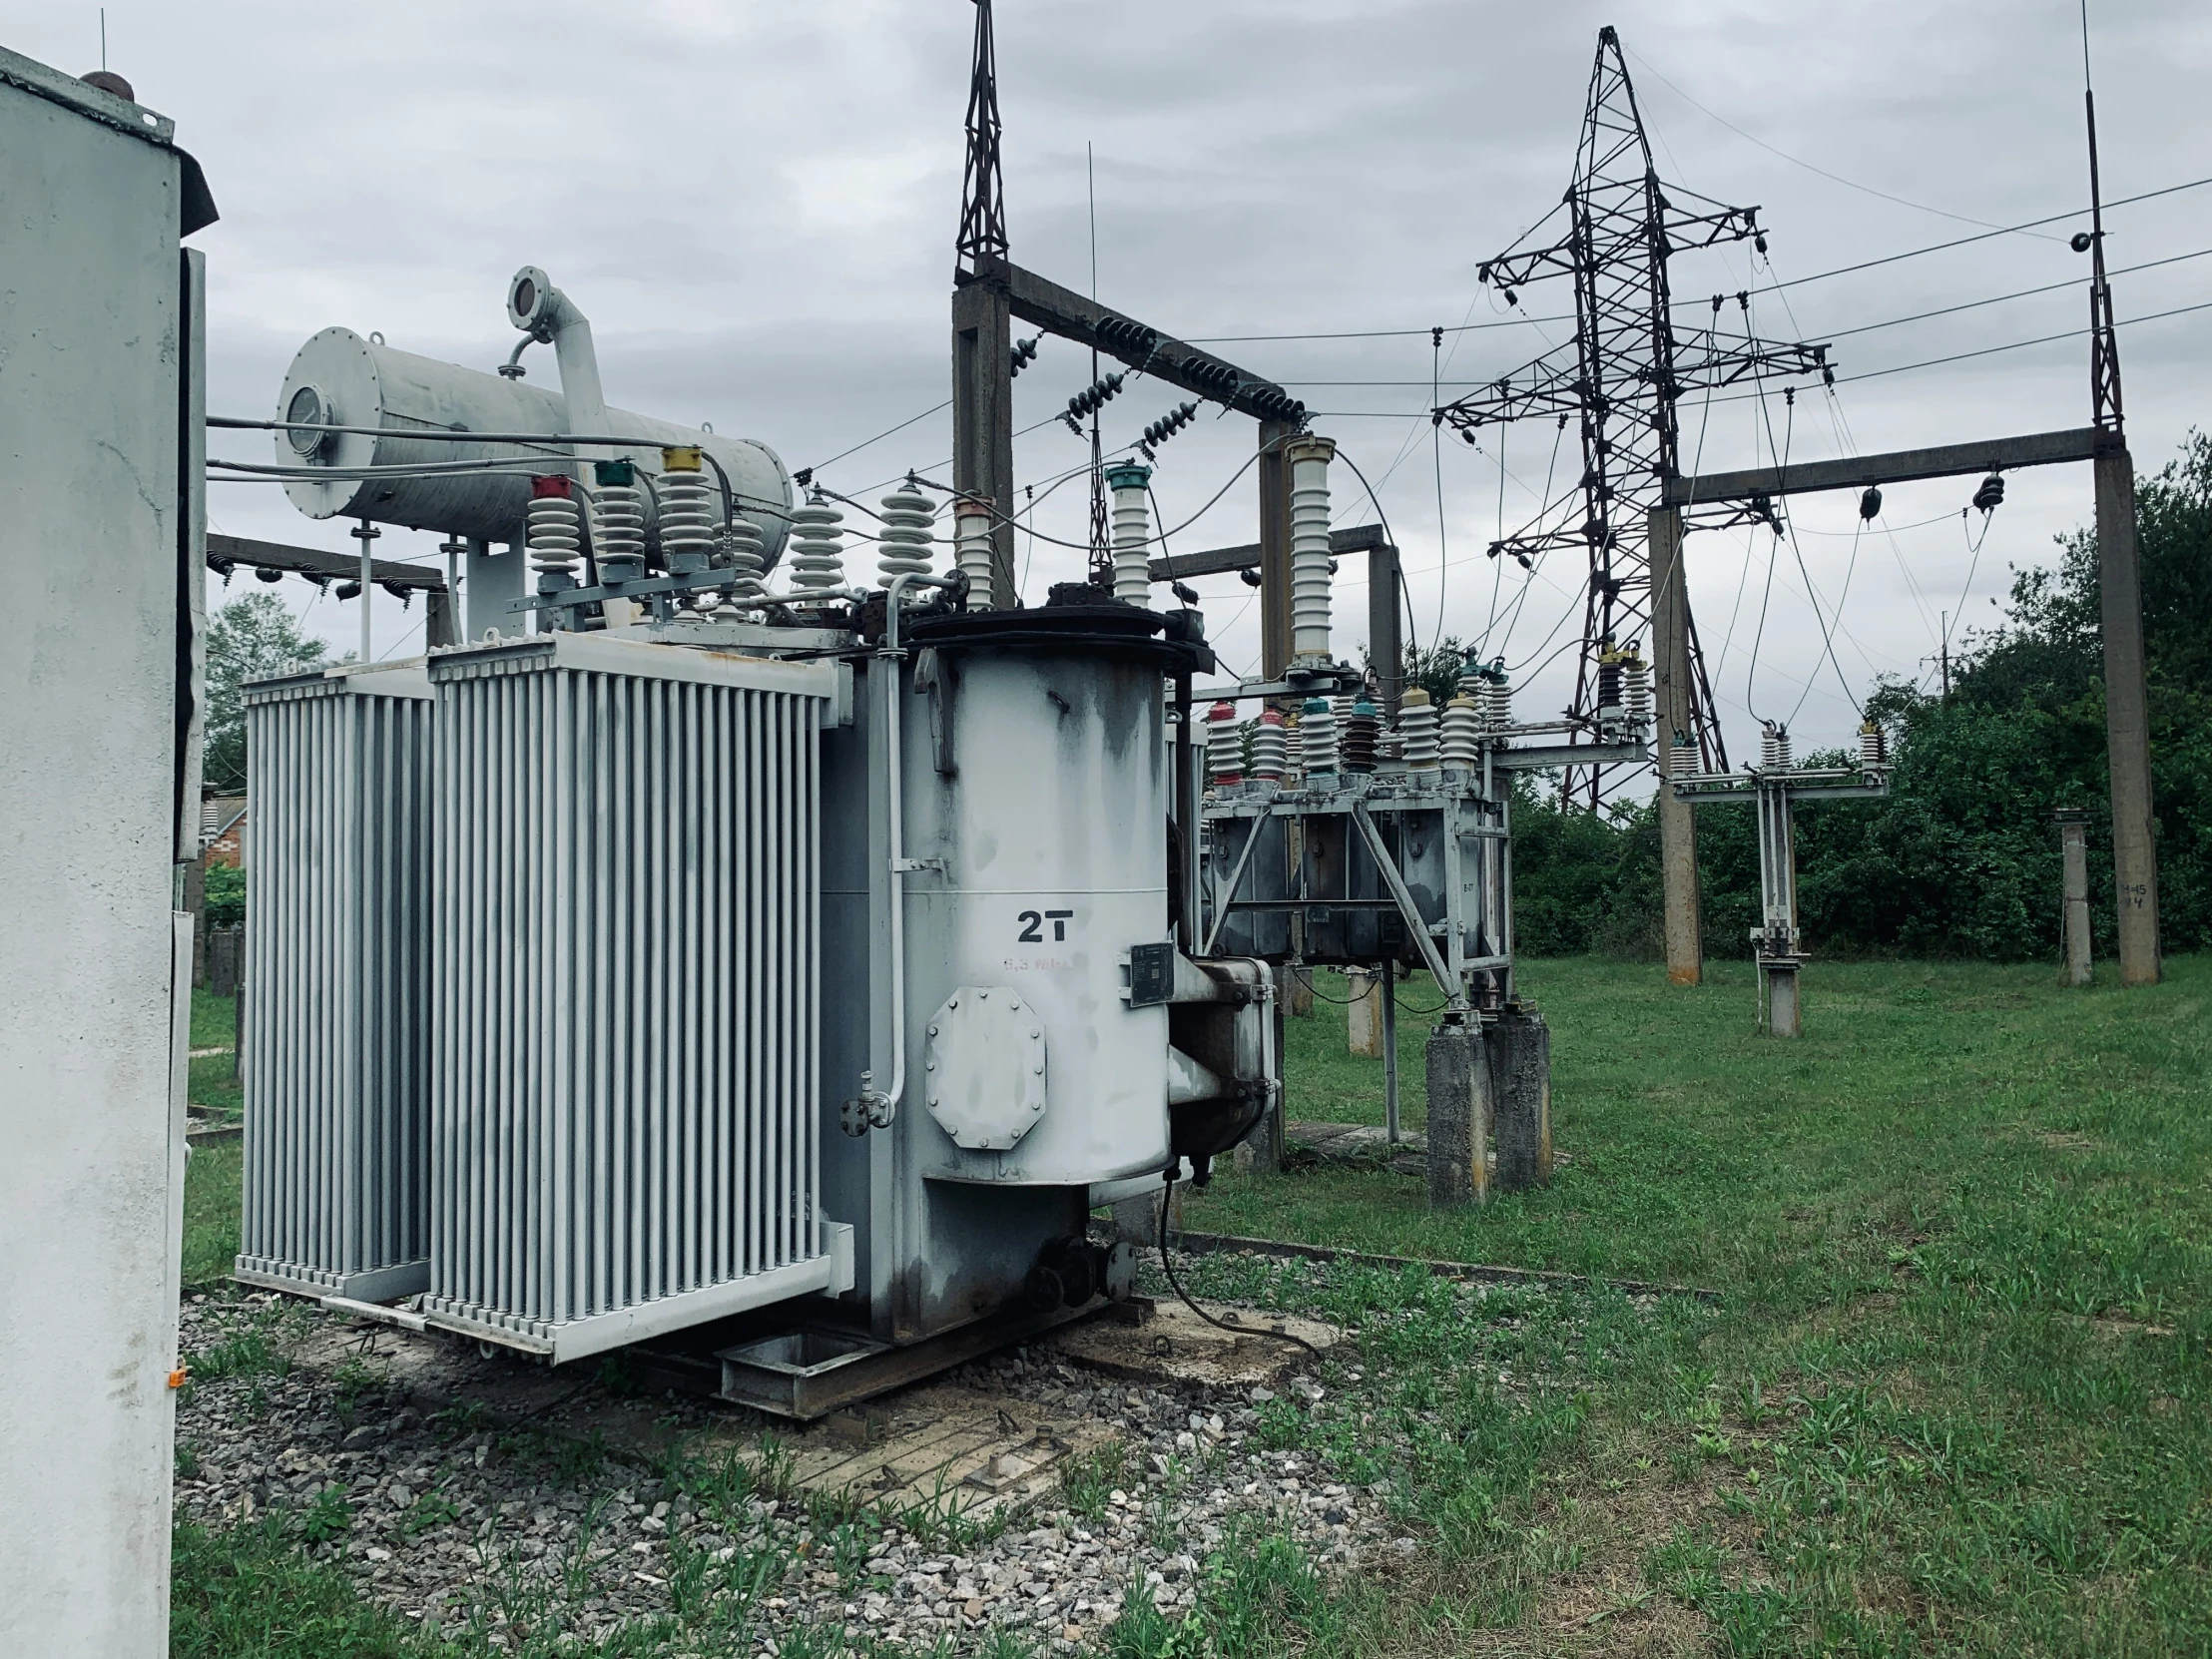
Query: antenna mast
[[982, 190]]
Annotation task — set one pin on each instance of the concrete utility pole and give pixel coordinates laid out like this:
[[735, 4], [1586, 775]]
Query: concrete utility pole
[[2120, 587], [983, 419], [2127, 719], [1670, 655], [2073, 849]]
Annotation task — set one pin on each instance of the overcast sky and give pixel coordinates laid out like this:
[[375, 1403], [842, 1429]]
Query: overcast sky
[[755, 202]]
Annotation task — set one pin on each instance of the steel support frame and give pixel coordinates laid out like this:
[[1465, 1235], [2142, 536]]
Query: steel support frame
[[1775, 943]]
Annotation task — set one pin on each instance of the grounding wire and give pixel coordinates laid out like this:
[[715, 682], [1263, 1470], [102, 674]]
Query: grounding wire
[[1167, 1267]]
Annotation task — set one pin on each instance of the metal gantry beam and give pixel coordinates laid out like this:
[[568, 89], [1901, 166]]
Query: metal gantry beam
[[1219, 561], [315, 561], [1039, 300], [1898, 466]]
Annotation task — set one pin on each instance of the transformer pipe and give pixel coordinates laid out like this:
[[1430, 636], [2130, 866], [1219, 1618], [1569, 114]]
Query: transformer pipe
[[883, 1103]]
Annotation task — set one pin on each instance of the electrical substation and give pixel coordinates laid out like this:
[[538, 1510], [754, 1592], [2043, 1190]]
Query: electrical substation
[[749, 938], [720, 950]]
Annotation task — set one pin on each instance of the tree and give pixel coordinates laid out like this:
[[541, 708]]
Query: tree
[[250, 638], [1961, 857]]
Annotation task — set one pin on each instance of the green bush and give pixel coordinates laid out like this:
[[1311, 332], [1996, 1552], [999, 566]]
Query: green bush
[[1961, 858], [225, 896]]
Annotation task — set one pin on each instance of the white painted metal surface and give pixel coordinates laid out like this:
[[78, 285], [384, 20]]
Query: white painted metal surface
[[362, 382], [983, 1079], [1052, 837], [335, 1196], [625, 970], [95, 534]]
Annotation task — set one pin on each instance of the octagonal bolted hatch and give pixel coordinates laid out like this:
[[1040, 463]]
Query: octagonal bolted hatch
[[984, 1072]]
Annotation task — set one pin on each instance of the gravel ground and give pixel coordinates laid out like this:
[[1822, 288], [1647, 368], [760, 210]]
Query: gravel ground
[[518, 1535]]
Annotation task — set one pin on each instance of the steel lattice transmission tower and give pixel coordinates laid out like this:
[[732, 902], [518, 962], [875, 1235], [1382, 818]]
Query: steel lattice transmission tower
[[1621, 377]]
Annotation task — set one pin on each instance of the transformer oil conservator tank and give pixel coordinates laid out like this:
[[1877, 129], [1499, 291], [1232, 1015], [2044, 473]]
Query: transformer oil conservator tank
[[1039, 829]]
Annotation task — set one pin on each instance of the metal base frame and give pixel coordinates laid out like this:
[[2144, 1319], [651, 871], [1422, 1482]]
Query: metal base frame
[[809, 1371], [367, 1285]]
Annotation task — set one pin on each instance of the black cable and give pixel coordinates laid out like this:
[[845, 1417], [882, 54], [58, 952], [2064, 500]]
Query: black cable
[[880, 437], [1795, 161], [1168, 1267]]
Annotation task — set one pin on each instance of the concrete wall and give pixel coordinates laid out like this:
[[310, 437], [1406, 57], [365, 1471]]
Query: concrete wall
[[92, 337]]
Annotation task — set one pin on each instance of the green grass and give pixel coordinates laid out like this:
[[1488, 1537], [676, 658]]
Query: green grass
[[211, 1214], [213, 1019], [1955, 1398], [214, 1082]]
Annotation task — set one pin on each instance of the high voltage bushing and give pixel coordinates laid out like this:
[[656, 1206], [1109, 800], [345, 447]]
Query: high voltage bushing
[[1224, 745], [1417, 729], [1270, 747], [1090, 399], [1357, 747], [1874, 747], [1131, 532]]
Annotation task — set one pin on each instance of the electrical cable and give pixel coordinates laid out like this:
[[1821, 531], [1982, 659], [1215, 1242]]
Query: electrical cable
[[1797, 161], [880, 436], [1436, 450], [1794, 282], [1168, 1267], [1962, 242]]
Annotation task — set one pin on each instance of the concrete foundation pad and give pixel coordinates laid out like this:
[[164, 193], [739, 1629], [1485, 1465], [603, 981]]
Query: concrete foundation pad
[[1169, 1344]]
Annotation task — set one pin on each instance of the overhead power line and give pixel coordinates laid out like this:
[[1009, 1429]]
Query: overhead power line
[[1794, 282]]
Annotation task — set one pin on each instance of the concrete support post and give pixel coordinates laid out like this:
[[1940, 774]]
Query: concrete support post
[[1518, 1046], [1782, 999], [1275, 547], [983, 420], [1670, 655], [2127, 719], [1390, 1053], [1364, 1013], [2073, 847], [1459, 1104]]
